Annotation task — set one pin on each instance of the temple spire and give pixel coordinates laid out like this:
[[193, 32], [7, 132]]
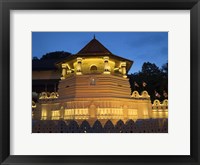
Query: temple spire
[[94, 46]]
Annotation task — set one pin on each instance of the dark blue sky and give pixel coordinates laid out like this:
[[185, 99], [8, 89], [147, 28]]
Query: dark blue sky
[[137, 46]]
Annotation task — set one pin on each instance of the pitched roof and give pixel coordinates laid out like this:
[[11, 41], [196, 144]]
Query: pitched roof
[[92, 49], [94, 46]]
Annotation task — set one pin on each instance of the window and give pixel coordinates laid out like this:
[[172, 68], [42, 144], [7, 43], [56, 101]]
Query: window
[[92, 81], [93, 69]]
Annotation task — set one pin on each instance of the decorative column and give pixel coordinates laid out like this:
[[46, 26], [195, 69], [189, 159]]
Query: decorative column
[[79, 65], [62, 111], [106, 65], [123, 67], [64, 68]]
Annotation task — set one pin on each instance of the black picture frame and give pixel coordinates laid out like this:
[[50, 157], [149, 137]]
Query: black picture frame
[[7, 5]]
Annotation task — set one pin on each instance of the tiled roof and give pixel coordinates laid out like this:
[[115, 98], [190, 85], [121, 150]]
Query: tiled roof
[[94, 46]]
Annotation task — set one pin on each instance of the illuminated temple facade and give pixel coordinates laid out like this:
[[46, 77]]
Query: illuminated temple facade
[[94, 86]]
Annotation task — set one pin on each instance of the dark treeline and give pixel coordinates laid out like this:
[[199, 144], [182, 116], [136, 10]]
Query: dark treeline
[[152, 79], [57, 55], [47, 61]]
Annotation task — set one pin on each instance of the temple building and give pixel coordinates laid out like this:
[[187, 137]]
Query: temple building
[[94, 86]]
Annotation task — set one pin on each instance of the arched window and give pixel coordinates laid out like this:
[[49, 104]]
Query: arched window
[[93, 69]]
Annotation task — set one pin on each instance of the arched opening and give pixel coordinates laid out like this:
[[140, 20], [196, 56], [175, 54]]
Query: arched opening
[[93, 69]]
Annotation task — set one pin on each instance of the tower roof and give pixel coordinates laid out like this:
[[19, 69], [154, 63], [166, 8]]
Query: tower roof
[[94, 46], [95, 49]]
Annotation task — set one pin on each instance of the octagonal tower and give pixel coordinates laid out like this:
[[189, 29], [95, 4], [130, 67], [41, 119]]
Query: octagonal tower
[[94, 72]]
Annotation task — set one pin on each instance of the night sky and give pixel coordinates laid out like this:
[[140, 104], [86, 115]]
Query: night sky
[[139, 47]]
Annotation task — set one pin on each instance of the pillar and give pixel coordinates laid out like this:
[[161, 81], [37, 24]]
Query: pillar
[[123, 67], [79, 65], [64, 68], [62, 111], [106, 65]]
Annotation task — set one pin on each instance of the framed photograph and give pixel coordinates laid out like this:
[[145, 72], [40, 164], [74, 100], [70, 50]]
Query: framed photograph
[[66, 87], [99, 82]]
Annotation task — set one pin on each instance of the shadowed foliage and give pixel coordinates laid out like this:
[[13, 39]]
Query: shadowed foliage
[[152, 79]]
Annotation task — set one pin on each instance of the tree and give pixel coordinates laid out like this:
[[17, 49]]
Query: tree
[[35, 58], [150, 69], [55, 55], [164, 68], [155, 79]]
